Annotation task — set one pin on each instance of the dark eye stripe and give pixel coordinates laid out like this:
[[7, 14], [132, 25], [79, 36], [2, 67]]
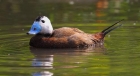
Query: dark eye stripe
[[42, 21]]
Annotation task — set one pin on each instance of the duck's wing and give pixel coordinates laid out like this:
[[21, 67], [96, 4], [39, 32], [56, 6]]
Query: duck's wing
[[66, 31]]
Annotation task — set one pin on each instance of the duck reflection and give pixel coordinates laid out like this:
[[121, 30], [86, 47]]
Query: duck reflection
[[40, 52], [43, 58], [44, 61], [43, 73]]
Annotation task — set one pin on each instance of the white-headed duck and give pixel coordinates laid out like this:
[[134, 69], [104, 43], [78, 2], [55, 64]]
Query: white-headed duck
[[65, 37]]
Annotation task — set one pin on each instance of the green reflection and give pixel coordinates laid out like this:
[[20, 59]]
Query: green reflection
[[61, 11]]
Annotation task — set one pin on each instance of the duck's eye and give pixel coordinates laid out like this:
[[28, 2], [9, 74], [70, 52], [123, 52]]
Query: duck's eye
[[42, 21], [34, 28]]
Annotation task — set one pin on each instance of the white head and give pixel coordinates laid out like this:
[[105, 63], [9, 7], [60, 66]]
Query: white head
[[41, 25]]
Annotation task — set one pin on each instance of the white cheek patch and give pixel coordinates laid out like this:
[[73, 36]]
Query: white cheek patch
[[46, 26]]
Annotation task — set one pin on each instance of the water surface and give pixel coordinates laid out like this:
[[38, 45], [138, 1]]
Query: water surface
[[119, 55]]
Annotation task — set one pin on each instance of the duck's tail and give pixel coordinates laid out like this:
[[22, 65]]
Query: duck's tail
[[102, 34], [111, 28]]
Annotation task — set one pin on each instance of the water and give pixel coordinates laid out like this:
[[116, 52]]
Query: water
[[118, 57]]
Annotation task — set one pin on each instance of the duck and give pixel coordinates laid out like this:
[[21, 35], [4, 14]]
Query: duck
[[65, 37]]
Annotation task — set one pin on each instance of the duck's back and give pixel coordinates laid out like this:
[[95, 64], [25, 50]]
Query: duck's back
[[63, 38], [66, 32]]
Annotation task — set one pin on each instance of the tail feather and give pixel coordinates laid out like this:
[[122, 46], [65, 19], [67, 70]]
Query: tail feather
[[110, 28]]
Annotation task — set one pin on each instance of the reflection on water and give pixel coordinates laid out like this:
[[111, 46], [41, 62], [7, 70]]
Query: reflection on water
[[43, 73], [63, 11], [43, 58], [48, 54], [43, 61]]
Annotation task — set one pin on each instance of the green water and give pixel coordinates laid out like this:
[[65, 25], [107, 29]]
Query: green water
[[119, 56]]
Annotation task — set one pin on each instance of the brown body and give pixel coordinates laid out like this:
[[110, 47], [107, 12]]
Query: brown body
[[67, 38]]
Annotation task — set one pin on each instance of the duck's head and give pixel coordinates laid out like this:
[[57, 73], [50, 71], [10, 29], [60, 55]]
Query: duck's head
[[41, 25]]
